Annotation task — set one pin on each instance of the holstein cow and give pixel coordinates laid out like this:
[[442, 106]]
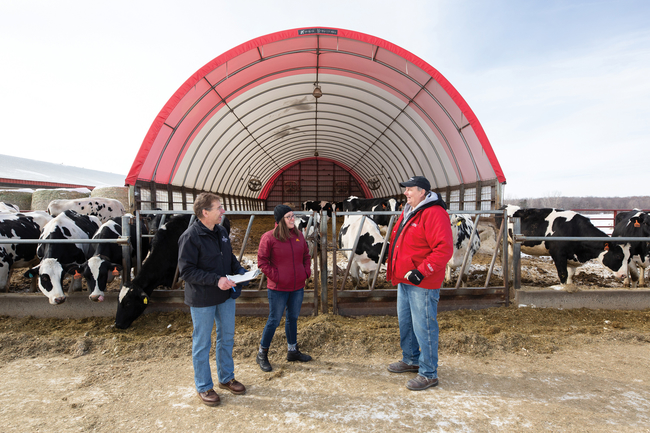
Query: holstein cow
[[461, 229], [158, 269], [156, 221], [102, 208], [318, 206], [635, 223], [18, 226], [58, 259], [311, 232], [567, 255], [8, 207], [354, 204], [366, 256], [106, 263]]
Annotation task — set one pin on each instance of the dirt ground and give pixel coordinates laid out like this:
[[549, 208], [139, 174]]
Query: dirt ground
[[501, 369]]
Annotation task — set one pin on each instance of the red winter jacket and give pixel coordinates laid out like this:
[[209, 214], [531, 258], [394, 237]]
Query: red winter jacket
[[424, 243], [285, 264]]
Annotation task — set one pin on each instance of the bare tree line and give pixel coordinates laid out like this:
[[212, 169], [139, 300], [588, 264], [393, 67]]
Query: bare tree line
[[556, 201]]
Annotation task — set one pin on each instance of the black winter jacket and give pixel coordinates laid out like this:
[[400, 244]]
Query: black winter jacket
[[204, 256]]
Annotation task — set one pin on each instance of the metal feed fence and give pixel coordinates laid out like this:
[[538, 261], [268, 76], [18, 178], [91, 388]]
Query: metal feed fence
[[519, 238], [370, 301]]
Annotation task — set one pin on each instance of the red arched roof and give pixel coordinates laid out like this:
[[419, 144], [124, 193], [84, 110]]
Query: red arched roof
[[385, 113]]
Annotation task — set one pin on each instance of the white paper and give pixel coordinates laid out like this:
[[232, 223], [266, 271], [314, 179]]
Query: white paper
[[245, 277]]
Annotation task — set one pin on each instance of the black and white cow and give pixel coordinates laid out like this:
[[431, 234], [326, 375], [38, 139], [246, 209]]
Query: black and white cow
[[158, 269], [102, 208], [18, 226], [106, 263], [354, 204], [635, 223], [318, 206], [311, 231], [461, 229], [567, 255], [8, 207], [58, 259], [366, 256], [154, 222]]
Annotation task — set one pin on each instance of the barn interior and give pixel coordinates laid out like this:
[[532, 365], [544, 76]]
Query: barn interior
[[314, 114]]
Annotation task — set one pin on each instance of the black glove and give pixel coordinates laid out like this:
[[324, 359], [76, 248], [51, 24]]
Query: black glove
[[414, 276]]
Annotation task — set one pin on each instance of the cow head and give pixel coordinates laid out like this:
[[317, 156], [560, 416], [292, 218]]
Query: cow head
[[616, 257], [641, 222], [50, 275], [131, 304], [98, 271]]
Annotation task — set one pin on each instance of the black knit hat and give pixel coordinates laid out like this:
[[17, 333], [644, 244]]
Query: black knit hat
[[280, 211]]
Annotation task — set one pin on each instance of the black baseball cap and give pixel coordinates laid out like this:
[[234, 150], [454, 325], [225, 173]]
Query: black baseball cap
[[420, 181]]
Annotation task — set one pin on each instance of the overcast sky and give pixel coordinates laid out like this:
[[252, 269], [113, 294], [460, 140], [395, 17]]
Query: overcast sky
[[562, 88]]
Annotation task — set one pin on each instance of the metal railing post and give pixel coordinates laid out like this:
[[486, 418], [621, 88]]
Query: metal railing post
[[504, 255], [384, 247], [516, 254], [323, 267], [138, 242], [245, 241], [126, 249], [466, 257]]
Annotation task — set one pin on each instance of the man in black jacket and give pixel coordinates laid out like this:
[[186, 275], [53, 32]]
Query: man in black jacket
[[205, 257]]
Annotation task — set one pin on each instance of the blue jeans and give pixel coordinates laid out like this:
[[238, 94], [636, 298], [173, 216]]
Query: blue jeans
[[417, 311], [278, 300], [203, 320]]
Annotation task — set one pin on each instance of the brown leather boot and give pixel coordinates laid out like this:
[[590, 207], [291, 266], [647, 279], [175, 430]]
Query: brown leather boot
[[210, 397]]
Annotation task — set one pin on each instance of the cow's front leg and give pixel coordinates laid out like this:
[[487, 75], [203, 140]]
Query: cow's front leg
[[561, 267]]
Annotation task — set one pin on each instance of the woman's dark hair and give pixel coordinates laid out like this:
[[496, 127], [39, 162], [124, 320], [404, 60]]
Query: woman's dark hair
[[282, 232]]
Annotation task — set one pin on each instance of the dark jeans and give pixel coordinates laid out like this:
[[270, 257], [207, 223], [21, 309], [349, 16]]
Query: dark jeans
[[278, 301]]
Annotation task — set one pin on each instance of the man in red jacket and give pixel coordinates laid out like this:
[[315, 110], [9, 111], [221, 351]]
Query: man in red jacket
[[420, 247]]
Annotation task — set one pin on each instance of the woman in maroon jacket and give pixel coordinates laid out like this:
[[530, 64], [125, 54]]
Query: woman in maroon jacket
[[284, 258]]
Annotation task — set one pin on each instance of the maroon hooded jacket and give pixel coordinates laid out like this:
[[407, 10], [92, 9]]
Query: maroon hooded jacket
[[285, 264]]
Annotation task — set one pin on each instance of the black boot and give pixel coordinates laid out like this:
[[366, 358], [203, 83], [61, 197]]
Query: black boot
[[295, 355], [263, 360]]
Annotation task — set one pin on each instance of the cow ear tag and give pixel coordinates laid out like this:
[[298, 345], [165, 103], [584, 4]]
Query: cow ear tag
[[636, 224], [606, 247], [144, 301], [458, 223], [77, 275], [115, 271]]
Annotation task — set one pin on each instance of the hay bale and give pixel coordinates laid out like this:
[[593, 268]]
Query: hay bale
[[20, 197], [120, 193], [42, 197]]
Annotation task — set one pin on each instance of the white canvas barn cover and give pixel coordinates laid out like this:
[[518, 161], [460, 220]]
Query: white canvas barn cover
[[251, 113]]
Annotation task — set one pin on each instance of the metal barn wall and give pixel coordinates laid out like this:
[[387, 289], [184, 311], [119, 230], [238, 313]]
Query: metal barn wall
[[313, 180], [309, 180], [150, 195]]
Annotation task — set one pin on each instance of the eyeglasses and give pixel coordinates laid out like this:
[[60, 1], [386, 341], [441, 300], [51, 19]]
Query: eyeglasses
[[215, 208], [290, 217]]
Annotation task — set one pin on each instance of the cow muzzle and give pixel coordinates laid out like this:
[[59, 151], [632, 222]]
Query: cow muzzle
[[96, 298], [57, 301]]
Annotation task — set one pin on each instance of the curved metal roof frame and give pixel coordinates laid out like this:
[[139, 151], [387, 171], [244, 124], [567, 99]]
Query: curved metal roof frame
[[384, 113]]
